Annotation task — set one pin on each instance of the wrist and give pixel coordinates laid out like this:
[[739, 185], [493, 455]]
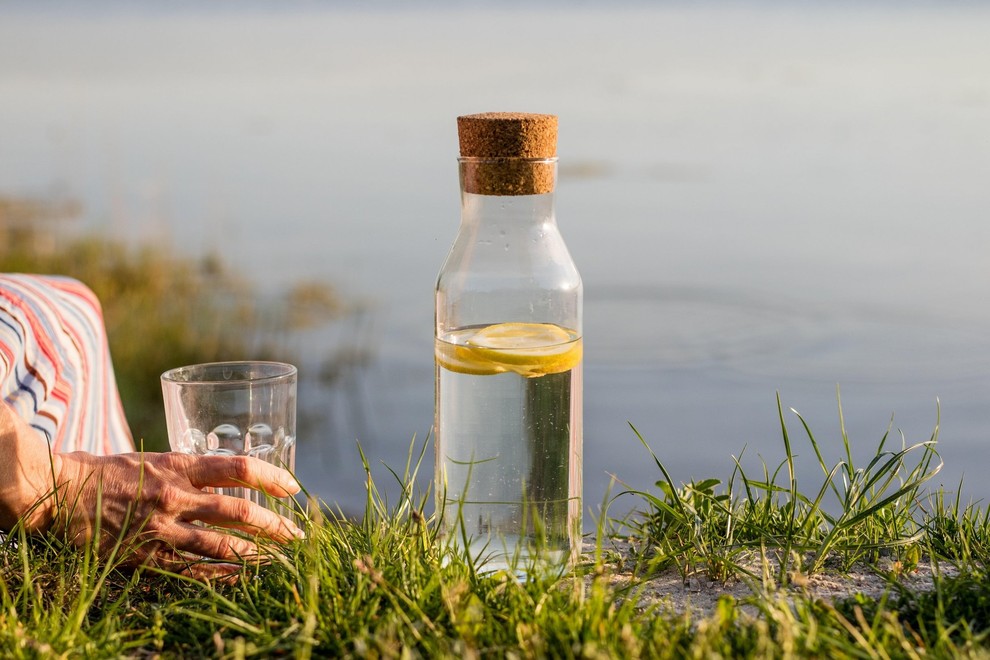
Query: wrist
[[27, 475]]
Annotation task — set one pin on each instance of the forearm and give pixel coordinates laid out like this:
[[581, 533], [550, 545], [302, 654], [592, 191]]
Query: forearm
[[27, 467]]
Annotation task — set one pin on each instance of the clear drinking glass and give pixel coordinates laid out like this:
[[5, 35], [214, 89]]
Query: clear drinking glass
[[234, 408]]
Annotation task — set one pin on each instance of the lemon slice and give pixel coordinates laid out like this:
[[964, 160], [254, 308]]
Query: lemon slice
[[532, 338], [528, 349], [463, 360]]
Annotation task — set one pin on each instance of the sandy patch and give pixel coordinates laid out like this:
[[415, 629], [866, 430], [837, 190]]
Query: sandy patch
[[679, 590]]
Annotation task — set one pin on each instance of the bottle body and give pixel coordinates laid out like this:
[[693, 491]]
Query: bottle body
[[509, 382]]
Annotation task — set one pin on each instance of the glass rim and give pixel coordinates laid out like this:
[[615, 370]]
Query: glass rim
[[282, 371]]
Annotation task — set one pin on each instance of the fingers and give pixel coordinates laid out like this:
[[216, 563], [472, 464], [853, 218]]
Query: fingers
[[161, 556], [237, 513], [211, 544], [196, 551], [206, 571], [234, 471], [149, 502], [206, 553]]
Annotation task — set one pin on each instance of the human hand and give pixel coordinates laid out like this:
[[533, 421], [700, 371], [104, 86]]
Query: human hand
[[149, 502]]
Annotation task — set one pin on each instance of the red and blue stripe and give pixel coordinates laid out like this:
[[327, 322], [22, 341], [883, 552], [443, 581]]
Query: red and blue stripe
[[55, 366]]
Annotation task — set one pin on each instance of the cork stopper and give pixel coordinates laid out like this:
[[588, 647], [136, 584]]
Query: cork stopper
[[508, 135], [507, 153]]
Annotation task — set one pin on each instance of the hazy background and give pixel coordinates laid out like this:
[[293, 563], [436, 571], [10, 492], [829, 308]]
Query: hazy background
[[761, 197]]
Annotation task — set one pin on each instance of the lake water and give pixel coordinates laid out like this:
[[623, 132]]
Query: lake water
[[761, 199]]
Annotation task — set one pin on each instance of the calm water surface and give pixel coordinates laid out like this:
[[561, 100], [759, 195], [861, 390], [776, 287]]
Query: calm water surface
[[760, 200]]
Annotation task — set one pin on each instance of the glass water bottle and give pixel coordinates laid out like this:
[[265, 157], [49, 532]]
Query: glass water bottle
[[508, 354]]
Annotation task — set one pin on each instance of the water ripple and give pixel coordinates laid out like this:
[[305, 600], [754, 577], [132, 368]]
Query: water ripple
[[683, 327]]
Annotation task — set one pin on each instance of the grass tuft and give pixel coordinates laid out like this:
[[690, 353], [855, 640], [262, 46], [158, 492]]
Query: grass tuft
[[856, 514]]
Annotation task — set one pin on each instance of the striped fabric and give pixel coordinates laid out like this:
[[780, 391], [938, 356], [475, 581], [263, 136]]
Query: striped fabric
[[55, 369]]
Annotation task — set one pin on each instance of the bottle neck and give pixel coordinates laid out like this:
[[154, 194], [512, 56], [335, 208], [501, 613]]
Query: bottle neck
[[510, 192], [508, 262], [507, 214]]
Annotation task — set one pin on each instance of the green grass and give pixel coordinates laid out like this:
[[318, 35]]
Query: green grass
[[855, 514], [387, 586]]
